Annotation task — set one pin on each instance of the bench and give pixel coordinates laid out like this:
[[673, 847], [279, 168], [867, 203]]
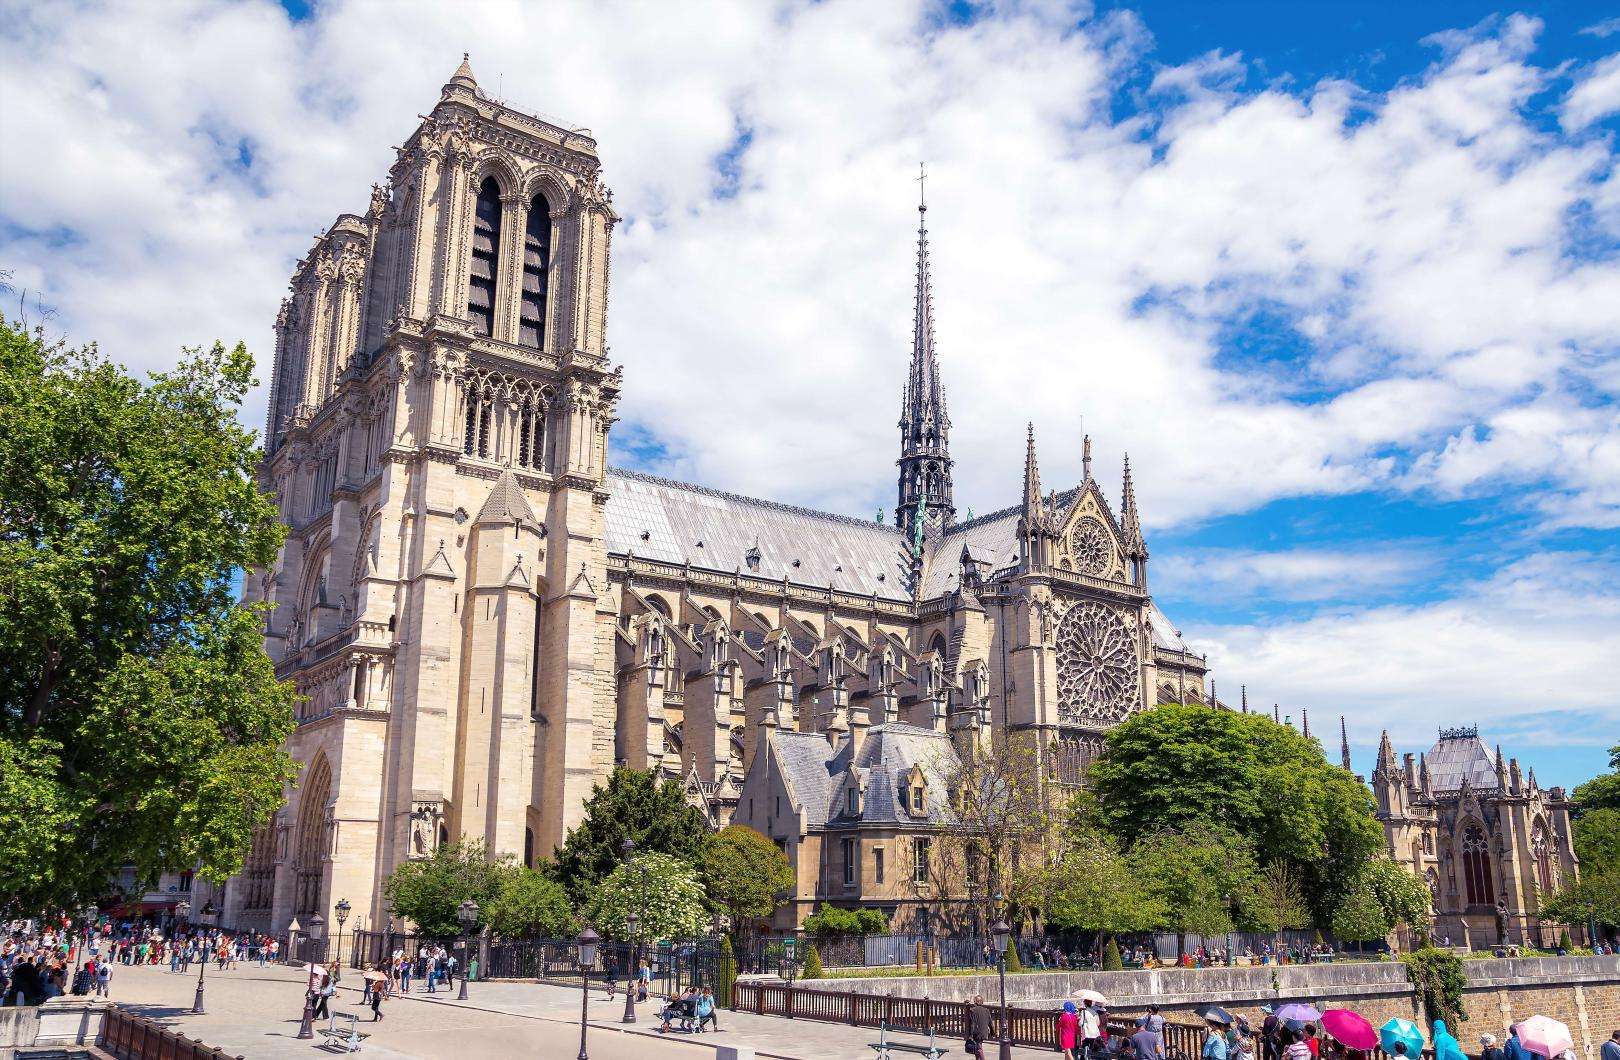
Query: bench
[[886, 1049], [348, 1037]]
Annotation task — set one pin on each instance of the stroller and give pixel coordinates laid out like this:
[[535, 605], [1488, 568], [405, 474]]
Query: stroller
[[683, 1009]]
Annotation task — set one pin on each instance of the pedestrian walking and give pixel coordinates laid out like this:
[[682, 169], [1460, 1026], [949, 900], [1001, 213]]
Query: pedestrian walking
[[323, 995], [376, 1000], [1214, 1043], [1068, 1031], [978, 1027]]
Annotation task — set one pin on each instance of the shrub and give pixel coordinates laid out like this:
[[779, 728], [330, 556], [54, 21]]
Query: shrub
[[1440, 980], [812, 963], [728, 974], [1111, 961], [1013, 963]]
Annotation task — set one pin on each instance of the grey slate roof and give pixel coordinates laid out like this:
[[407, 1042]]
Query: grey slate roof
[[1164, 631], [1451, 759], [684, 523], [815, 771], [506, 502]]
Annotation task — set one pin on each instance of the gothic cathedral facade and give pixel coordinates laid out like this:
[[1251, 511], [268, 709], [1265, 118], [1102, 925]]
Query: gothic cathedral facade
[[484, 619]]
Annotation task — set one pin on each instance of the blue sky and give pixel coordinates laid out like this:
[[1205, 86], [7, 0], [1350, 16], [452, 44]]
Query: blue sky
[[1343, 279]]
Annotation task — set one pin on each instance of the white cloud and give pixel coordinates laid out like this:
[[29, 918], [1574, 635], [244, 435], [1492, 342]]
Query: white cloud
[[1422, 236], [1525, 652], [1243, 576], [1608, 27], [1595, 96]]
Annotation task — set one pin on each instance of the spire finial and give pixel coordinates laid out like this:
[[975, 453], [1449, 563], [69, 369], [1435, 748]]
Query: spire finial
[[1244, 689], [925, 459], [1305, 721], [1085, 457], [1344, 745], [922, 187]]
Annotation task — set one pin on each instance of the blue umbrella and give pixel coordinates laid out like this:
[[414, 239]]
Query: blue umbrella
[[1404, 1033]]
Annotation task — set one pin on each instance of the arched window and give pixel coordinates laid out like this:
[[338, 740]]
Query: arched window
[[485, 258], [659, 605], [311, 847], [532, 432], [1541, 850], [536, 274], [938, 645], [480, 406], [1476, 858]]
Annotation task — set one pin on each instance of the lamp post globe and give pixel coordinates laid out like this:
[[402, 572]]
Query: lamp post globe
[[341, 911], [466, 916], [1001, 930], [585, 955]]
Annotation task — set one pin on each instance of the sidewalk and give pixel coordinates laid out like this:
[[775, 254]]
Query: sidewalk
[[253, 1012]]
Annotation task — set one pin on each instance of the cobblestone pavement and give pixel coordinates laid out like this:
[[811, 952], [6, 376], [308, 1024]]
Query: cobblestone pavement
[[254, 1012]]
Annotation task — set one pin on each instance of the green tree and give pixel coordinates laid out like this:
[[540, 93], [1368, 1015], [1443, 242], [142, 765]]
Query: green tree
[[663, 891], [1197, 875], [1274, 901], [744, 874], [1401, 894], [428, 892], [1597, 840], [1111, 961], [1594, 898], [812, 962], [1601, 792], [1176, 766], [633, 805], [1359, 918], [140, 720], [529, 902], [1096, 890]]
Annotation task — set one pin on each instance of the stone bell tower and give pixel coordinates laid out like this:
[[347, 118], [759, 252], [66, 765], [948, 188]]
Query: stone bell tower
[[437, 439]]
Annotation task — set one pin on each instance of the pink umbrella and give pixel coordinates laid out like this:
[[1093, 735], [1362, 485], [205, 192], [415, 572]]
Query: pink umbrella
[[1350, 1028], [1544, 1036]]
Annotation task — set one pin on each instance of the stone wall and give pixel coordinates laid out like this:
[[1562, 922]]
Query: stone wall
[[1583, 992]]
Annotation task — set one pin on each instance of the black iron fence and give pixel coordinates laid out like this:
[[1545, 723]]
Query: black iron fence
[[674, 964]]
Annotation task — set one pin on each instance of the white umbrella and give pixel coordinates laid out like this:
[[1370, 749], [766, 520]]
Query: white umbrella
[[1091, 996]]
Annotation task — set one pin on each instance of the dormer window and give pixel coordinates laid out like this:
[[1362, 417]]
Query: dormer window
[[917, 799], [852, 801]]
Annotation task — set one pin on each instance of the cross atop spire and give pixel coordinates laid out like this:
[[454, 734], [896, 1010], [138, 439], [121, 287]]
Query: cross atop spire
[[925, 458]]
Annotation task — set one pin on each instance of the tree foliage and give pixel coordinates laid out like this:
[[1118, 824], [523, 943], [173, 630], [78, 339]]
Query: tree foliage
[[530, 902], [1359, 918], [1595, 897], [830, 921], [1401, 894], [744, 874], [1274, 901], [140, 719], [429, 891], [663, 891], [633, 805], [1601, 792], [1095, 889], [1597, 840], [1196, 874], [1174, 767]]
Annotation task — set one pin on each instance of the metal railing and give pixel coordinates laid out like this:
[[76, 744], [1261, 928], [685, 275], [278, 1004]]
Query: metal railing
[[127, 1036]]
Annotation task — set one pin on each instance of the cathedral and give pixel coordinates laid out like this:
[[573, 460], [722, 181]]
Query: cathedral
[[1490, 842], [484, 618]]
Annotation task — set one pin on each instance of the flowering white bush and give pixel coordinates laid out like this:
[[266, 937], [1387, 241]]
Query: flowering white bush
[[663, 891]]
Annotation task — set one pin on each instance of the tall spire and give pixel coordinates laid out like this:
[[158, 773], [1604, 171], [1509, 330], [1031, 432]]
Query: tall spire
[[1305, 721], [925, 426], [1130, 520], [1035, 529], [1344, 745], [1244, 689]]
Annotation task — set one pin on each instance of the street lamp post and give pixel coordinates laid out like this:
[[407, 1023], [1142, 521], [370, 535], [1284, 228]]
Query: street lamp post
[[1227, 901], [586, 957], [342, 912], [632, 968], [466, 916], [208, 910], [306, 1028], [182, 911], [1001, 931]]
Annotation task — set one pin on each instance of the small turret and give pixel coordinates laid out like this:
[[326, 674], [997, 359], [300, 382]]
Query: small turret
[[1515, 778], [463, 77], [1035, 526], [1423, 775], [1501, 771]]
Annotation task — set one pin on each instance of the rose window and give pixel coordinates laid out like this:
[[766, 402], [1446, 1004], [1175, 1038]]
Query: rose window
[[1097, 668], [1092, 550]]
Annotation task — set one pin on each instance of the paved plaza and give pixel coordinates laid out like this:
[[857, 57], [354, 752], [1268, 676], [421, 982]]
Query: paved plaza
[[254, 1012]]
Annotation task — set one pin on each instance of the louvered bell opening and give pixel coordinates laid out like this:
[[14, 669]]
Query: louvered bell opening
[[482, 268], [532, 256], [529, 335], [529, 312], [480, 296], [531, 282]]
